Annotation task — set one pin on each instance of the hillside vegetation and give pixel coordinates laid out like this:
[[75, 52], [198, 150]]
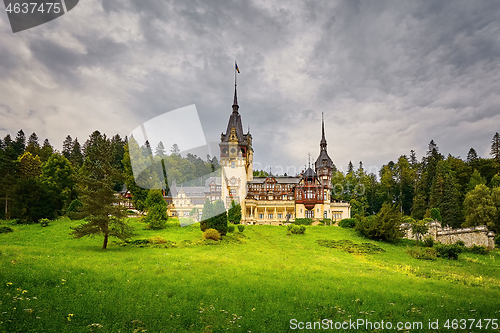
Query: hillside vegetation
[[255, 281]]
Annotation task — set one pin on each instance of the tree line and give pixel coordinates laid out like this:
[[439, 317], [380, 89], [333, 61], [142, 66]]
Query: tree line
[[466, 192], [38, 181]]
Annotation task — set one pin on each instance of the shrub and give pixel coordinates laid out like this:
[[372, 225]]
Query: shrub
[[450, 251], [4, 230], [230, 228], [347, 223], [211, 234], [426, 254], [460, 243], [429, 241], [241, 227], [44, 222], [296, 229], [436, 214], [478, 249], [157, 240], [326, 221], [234, 213], [305, 221], [497, 240], [384, 226], [157, 217], [172, 223], [74, 209]]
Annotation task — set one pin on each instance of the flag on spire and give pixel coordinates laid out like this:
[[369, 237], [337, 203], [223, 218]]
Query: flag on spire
[[236, 66]]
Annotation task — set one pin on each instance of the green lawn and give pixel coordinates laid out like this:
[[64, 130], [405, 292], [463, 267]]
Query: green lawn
[[50, 282]]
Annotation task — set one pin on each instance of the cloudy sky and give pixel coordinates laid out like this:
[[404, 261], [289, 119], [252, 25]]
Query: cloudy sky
[[389, 76]]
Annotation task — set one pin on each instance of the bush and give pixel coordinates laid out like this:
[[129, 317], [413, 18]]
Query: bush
[[306, 221], [449, 251], [460, 243], [478, 250], [157, 217], [74, 209], [44, 222], [296, 229], [326, 221], [426, 254], [157, 240], [241, 227], [347, 223], [211, 234], [4, 230], [497, 240], [384, 226], [230, 228], [429, 241]]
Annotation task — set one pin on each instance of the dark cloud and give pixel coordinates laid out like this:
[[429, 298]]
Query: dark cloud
[[389, 76]]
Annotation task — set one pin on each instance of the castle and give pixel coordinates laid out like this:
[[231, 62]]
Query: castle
[[271, 200]]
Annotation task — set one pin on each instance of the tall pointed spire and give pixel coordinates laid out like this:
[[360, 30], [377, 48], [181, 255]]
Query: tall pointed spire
[[323, 140], [235, 102]]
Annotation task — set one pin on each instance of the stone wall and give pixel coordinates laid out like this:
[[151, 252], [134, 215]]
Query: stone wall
[[479, 235]]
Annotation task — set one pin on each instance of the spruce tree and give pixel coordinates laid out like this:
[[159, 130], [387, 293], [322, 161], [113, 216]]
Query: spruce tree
[[67, 147], [495, 147], [100, 207]]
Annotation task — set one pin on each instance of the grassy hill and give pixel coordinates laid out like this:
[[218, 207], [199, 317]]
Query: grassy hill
[[258, 282]]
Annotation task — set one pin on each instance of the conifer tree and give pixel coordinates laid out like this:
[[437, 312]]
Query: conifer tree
[[76, 156], [101, 209], [33, 145], [495, 147], [67, 147]]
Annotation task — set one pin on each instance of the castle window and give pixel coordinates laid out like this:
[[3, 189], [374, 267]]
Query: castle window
[[284, 197], [261, 216], [309, 214], [233, 164], [270, 216], [280, 216], [325, 214]]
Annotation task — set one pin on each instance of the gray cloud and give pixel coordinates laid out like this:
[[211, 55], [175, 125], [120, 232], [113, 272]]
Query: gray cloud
[[388, 75]]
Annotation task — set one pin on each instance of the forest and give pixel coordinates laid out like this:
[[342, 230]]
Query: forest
[[38, 181]]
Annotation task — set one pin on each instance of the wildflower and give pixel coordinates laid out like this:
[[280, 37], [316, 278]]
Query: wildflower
[[9, 284], [24, 291], [70, 316]]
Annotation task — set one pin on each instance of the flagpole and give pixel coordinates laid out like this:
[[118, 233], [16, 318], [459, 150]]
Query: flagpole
[[235, 74]]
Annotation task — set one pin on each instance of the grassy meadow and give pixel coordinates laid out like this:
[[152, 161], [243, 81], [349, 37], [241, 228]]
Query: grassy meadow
[[255, 282]]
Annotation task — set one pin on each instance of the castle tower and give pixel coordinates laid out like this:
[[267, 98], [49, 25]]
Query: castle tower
[[236, 158], [324, 164]]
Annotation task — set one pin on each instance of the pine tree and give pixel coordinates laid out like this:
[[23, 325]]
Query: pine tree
[[350, 167], [76, 156], [175, 149], [8, 175], [46, 150], [19, 144], [67, 147], [472, 156], [413, 158], [495, 147], [234, 213], [160, 149], [101, 209], [445, 195], [33, 145]]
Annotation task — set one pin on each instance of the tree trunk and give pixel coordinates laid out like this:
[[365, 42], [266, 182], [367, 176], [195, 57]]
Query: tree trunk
[[105, 244]]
